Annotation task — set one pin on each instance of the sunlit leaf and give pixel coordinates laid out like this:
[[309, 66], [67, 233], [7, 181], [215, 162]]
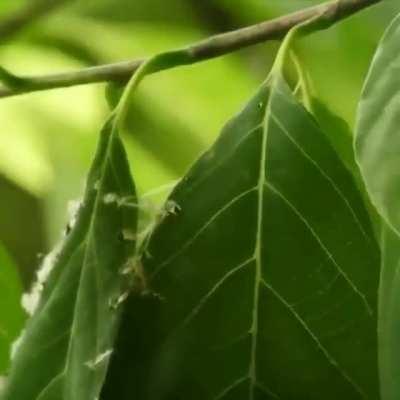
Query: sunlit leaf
[[265, 270], [377, 149], [68, 342]]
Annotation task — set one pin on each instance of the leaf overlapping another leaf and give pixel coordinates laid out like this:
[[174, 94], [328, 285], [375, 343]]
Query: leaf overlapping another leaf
[[376, 142], [377, 148], [267, 276], [66, 348]]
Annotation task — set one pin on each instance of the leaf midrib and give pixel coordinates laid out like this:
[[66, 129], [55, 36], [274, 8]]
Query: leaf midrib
[[88, 235], [258, 248], [259, 280]]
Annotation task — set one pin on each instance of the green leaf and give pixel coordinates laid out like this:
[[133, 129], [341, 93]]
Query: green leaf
[[338, 133], [388, 321], [11, 314], [377, 147], [265, 268], [341, 138], [65, 350], [377, 142]]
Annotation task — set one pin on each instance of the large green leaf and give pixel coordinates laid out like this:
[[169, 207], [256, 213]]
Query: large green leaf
[[389, 321], [377, 147], [65, 350], [266, 272], [377, 142], [11, 314]]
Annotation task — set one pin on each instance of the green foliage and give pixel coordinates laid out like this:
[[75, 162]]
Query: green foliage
[[11, 314], [338, 133], [66, 348], [378, 117], [257, 277], [377, 150], [254, 277]]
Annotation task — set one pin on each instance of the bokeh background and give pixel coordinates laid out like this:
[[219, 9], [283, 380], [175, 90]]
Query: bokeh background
[[47, 138]]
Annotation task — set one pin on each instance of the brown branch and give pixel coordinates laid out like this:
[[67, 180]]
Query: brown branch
[[212, 47]]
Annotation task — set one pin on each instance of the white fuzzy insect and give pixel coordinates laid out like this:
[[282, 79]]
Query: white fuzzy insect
[[99, 359]]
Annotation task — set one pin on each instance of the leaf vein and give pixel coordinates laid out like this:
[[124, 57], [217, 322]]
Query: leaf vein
[[258, 249], [229, 388], [323, 173], [201, 230], [316, 340], [213, 290], [322, 245], [216, 165], [59, 375], [266, 390]]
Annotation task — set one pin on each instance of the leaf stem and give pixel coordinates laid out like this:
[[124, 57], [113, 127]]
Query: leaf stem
[[316, 22], [303, 81], [156, 63], [212, 47]]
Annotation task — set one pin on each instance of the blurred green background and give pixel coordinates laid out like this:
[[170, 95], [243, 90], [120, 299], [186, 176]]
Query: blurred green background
[[47, 139]]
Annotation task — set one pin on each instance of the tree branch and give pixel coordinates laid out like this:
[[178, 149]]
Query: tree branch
[[212, 47], [25, 16]]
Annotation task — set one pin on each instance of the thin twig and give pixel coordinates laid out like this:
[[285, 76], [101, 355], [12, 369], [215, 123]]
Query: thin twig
[[212, 47], [34, 10]]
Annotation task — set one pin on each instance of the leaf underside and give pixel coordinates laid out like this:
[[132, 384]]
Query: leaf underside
[[264, 277], [65, 350], [377, 148]]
